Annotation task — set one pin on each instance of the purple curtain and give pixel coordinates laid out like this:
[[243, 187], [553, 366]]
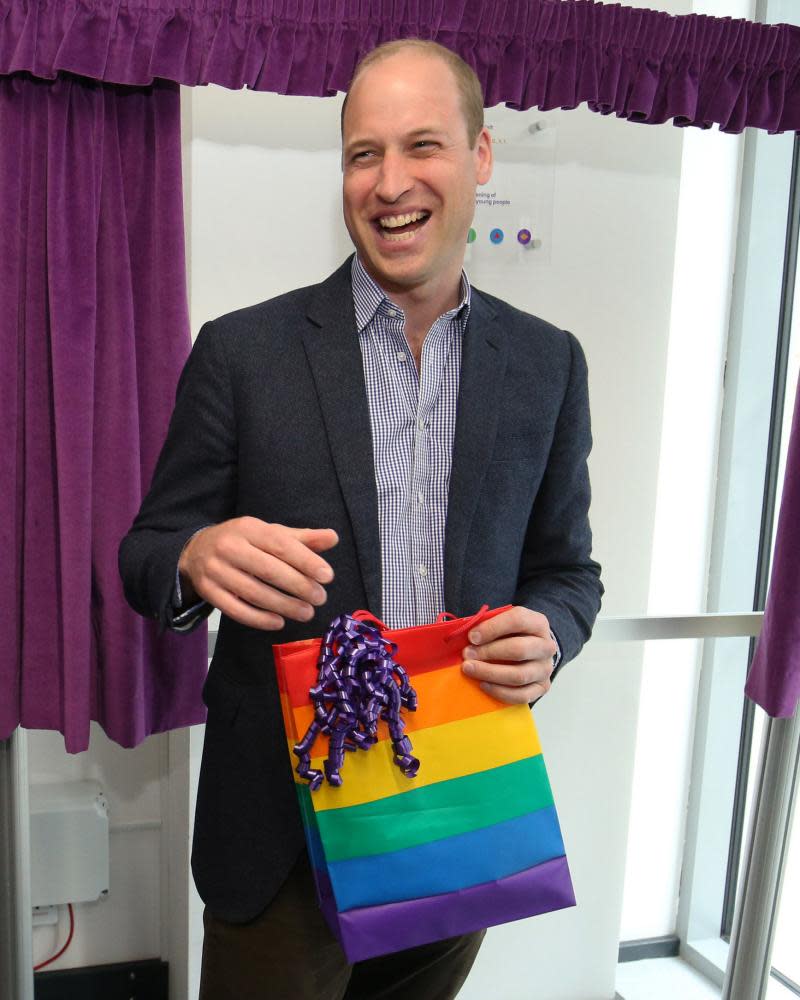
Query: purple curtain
[[93, 333], [774, 678], [643, 65]]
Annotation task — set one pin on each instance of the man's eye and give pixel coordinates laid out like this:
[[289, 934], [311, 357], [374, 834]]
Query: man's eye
[[362, 154]]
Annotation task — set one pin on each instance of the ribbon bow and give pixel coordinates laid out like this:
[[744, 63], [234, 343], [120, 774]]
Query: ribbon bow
[[359, 683]]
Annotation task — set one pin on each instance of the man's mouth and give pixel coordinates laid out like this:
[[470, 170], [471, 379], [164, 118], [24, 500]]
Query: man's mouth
[[401, 227]]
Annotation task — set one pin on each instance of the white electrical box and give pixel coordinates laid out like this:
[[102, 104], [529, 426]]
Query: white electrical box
[[69, 843]]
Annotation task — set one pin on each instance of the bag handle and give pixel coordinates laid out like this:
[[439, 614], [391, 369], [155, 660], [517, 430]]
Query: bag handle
[[367, 616], [464, 629], [443, 616]]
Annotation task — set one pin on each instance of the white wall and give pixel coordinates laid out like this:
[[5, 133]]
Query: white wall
[[125, 925]]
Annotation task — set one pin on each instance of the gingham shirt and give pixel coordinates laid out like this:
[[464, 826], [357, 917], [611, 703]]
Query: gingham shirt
[[413, 420]]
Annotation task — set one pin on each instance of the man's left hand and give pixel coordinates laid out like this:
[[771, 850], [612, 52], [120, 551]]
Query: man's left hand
[[512, 655]]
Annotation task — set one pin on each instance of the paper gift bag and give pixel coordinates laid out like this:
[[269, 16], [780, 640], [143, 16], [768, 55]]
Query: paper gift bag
[[472, 840]]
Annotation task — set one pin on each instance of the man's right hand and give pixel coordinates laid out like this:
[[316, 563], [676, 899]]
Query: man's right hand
[[258, 573]]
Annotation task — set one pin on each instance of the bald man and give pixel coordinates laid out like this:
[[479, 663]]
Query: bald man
[[393, 439]]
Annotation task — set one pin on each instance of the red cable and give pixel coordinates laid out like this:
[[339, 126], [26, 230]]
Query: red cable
[[58, 954]]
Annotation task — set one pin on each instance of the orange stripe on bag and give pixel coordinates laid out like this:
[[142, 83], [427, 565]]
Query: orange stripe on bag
[[444, 695]]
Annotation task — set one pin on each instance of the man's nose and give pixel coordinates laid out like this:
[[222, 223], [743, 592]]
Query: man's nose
[[394, 179]]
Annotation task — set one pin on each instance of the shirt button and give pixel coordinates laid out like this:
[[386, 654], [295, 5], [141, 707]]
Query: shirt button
[[422, 569], [401, 356], [421, 424], [394, 313], [420, 496]]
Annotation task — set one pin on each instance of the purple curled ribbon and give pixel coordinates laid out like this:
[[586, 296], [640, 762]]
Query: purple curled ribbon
[[359, 683]]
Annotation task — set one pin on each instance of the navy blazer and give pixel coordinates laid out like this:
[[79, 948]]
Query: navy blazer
[[271, 420]]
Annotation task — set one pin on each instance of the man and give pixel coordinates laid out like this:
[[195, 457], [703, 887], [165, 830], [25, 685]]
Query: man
[[390, 439]]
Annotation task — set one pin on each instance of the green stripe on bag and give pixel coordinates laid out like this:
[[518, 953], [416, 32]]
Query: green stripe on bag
[[434, 812]]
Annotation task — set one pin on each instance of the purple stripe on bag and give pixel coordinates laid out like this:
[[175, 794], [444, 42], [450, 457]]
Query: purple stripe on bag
[[378, 930]]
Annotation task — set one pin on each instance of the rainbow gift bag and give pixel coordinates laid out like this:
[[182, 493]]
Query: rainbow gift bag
[[472, 840]]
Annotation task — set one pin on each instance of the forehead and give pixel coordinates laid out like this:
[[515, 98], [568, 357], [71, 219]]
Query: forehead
[[408, 90]]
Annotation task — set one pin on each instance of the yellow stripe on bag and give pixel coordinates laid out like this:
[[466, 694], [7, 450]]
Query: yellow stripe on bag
[[448, 751]]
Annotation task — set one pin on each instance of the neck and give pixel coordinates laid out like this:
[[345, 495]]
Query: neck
[[423, 305]]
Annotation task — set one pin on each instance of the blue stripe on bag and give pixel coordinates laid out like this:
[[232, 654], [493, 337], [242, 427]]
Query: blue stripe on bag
[[449, 864]]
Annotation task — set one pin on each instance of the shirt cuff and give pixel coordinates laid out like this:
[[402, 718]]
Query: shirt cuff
[[184, 620], [557, 654]]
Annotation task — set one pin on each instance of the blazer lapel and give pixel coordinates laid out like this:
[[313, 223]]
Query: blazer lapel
[[332, 348], [483, 364]]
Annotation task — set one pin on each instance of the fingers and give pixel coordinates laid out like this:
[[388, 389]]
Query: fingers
[[295, 546], [511, 655], [260, 573], [514, 649], [522, 675], [517, 696], [232, 606], [262, 567], [281, 601], [515, 621], [317, 539], [512, 683]]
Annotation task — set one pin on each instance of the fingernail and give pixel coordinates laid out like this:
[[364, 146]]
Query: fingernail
[[469, 652], [475, 637], [469, 668], [325, 575]]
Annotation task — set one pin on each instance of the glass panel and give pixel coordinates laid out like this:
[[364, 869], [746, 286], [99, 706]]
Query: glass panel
[[750, 373], [785, 952]]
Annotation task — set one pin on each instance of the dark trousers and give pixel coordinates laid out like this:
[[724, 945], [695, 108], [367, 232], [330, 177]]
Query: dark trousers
[[289, 953]]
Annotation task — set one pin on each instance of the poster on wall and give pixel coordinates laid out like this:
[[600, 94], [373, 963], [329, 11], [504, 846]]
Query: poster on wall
[[512, 228]]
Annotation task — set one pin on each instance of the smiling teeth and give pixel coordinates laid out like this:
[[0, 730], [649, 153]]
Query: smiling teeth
[[393, 221], [398, 237]]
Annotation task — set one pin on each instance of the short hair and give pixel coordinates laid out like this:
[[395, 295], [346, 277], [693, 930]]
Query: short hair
[[469, 86]]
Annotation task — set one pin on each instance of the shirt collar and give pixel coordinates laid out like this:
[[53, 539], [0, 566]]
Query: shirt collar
[[368, 297]]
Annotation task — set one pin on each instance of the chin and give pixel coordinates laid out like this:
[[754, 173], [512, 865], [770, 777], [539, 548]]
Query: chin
[[401, 276]]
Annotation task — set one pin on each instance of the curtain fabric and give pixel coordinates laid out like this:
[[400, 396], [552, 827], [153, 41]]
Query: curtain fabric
[[93, 333], [643, 65], [774, 678], [93, 316]]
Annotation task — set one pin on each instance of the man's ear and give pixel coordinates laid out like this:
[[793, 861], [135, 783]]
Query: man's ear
[[484, 155]]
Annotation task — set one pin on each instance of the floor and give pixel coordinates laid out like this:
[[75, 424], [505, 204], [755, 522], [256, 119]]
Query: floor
[[673, 979], [663, 979]]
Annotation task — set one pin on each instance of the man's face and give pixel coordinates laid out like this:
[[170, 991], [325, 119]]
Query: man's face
[[409, 173]]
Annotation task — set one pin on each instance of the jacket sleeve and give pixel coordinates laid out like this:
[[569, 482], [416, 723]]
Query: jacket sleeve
[[557, 575], [194, 484]]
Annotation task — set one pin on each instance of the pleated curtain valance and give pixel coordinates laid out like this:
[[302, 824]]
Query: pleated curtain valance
[[643, 65]]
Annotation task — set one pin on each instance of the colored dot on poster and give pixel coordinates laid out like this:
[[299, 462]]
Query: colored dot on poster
[[496, 236], [471, 236], [524, 236]]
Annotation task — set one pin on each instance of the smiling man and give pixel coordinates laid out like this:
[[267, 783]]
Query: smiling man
[[414, 150], [390, 439]]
